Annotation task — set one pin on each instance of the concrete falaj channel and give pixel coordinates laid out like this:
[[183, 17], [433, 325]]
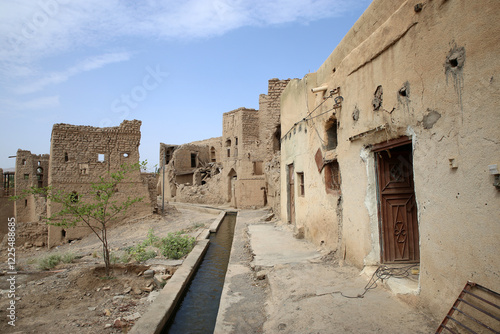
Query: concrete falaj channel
[[197, 311], [190, 301]]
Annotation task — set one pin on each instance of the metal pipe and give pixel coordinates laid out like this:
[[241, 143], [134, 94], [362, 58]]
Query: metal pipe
[[319, 89]]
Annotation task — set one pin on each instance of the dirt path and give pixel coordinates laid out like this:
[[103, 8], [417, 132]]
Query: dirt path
[[278, 284], [74, 297]]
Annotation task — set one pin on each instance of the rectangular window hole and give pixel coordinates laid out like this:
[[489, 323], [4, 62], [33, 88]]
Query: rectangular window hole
[[257, 168], [300, 179], [100, 157], [332, 177]]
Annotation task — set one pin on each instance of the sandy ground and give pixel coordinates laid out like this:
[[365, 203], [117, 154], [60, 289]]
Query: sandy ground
[[75, 297]]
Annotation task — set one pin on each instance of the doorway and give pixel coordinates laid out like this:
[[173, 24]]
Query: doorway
[[232, 177], [397, 207]]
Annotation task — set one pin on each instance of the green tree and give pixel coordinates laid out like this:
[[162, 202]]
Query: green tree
[[96, 209]]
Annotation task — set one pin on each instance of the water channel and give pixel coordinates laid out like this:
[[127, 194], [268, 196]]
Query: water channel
[[197, 310]]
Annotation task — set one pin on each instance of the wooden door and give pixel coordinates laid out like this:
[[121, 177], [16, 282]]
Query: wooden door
[[397, 206], [291, 194]]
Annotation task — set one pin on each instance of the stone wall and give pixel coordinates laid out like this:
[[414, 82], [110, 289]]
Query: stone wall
[[406, 69], [80, 155]]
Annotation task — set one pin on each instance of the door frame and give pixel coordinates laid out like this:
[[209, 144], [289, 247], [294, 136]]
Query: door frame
[[377, 148], [290, 181]]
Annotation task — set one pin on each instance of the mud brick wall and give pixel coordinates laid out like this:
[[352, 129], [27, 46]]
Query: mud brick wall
[[82, 154], [31, 171]]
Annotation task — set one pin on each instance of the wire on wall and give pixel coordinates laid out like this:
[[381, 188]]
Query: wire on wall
[[338, 103]]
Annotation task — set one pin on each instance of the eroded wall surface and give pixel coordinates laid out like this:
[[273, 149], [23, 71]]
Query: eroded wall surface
[[426, 70], [31, 171], [250, 141], [82, 154]]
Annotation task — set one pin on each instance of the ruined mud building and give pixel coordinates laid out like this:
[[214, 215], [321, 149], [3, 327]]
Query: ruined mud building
[[386, 148], [79, 155], [237, 161]]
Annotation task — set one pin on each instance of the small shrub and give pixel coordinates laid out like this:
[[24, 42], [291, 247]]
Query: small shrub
[[49, 262], [68, 257], [140, 254], [151, 239], [176, 245]]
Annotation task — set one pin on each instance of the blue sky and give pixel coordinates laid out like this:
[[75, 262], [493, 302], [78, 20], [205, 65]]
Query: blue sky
[[175, 65]]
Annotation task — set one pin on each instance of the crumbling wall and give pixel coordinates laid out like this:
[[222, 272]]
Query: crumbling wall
[[31, 171], [210, 192], [29, 234], [272, 173], [82, 154], [151, 180]]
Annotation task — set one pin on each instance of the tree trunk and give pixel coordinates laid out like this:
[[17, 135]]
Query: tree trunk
[[105, 252]]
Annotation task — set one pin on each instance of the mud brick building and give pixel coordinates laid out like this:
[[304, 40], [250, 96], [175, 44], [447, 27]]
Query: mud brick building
[[32, 170], [386, 148], [79, 155], [233, 168], [251, 138]]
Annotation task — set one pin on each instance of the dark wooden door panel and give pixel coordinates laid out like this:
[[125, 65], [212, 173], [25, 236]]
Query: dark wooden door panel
[[398, 211], [400, 229]]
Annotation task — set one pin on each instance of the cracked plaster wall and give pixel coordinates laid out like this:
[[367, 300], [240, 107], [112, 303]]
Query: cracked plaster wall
[[438, 68]]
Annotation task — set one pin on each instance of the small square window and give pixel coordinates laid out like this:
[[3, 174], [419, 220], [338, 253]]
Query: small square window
[[100, 157], [257, 168], [84, 169], [26, 176]]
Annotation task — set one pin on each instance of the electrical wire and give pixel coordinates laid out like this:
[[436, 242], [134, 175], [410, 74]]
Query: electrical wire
[[306, 118], [383, 272]]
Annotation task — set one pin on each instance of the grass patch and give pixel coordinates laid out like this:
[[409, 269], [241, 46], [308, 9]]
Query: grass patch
[[50, 261]]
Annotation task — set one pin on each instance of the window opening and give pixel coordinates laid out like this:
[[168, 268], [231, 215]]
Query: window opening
[[257, 168], [300, 179], [331, 134], [25, 203], [26, 176], [66, 158], [276, 140], [228, 152], [24, 162], [73, 197], [84, 169], [332, 177], [212, 154], [100, 157], [39, 176], [193, 159]]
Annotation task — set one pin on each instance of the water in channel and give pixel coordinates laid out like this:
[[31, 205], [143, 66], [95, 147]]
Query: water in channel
[[197, 310]]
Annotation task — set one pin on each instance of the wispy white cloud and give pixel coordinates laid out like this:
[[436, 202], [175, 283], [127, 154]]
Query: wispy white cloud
[[46, 102], [88, 64], [32, 29]]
